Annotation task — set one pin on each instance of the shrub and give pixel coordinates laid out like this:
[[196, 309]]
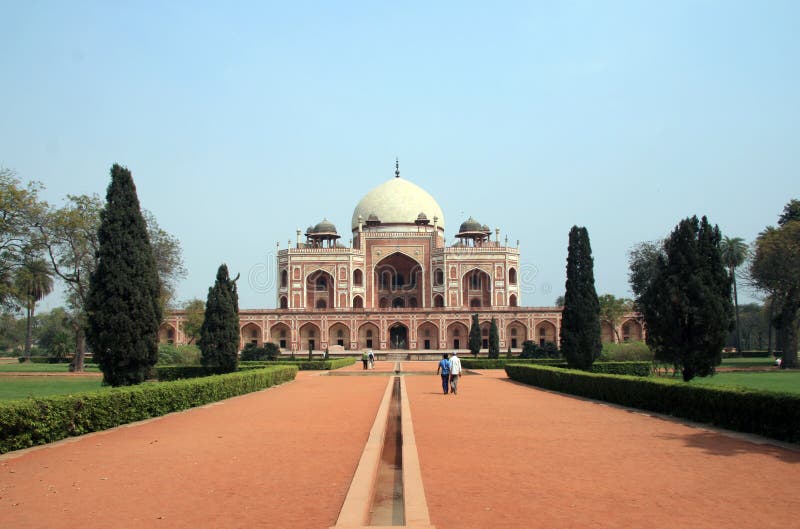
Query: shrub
[[269, 351], [31, 422], [169, 354], [531, 349], [626, 352], [775, 415]]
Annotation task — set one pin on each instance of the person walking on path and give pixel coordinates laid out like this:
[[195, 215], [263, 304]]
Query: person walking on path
[[365, 359], [444, 368], [455, 372], [371, 358]]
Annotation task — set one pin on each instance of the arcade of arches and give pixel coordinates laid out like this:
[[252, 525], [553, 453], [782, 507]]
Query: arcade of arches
[[400, 283]]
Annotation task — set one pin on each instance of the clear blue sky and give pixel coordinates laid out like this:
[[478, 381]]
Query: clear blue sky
[[245, 122]]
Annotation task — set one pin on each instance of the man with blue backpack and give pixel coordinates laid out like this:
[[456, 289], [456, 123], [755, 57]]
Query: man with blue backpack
[[444, 368]]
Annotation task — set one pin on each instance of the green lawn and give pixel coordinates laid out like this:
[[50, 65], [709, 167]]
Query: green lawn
[[29, 367], [748, 362], [785, 381], [22, 387]]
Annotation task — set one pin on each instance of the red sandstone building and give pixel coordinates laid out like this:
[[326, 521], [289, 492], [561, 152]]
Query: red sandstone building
[[399, 286]]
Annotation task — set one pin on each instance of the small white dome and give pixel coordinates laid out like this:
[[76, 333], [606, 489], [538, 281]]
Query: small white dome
[[398, 201]]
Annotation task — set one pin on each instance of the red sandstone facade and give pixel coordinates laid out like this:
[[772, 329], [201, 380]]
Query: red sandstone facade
[[398, 286]]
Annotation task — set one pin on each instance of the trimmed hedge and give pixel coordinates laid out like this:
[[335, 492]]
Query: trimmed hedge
[[306, 365], [500, 363], [46, 360], [639, 369], [750, 354], [775, 415], [30, 422]]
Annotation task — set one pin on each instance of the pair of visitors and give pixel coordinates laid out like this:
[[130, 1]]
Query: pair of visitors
[[450, 371], [371, 359], [365, 359]]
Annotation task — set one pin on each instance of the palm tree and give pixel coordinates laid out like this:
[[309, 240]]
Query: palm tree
[[33, 282], [734, 254]]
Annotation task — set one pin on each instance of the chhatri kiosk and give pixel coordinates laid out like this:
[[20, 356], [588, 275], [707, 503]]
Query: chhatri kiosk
[[398, 287]]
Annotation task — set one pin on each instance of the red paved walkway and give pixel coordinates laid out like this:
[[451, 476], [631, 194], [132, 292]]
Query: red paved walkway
[[501, 454], [498, 454]]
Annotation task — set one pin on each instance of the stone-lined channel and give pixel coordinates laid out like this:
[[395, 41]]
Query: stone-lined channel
[[387, 506]]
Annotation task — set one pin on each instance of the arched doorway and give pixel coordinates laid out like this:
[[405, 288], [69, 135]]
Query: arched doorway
[[631, 331], [428, 336], [398, 336], [477, 289], [339, 334], [516, 334], [280, 334], [166, 333], [319, 290], [250, 334], [546, 333], [399, 278], [457, 336], [368, 336], [358, 302], [309, 337]]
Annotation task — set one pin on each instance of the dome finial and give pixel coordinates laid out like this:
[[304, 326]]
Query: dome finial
[[396, 167]]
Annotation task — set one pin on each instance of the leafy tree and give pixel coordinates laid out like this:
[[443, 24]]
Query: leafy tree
[[168, 256], [643, 266], [612, 309], [123, 305], [12, 333], [494, 340], [775, 269], [219, 334], [530, 349], [70, 233], [791, 211], [580, 320], [475, 336], [734, 254], [54, 332], [20, 213], [193, 320], [33, 282], [560, 301], [687, 304]]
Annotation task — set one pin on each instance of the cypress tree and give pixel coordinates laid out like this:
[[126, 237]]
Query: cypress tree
[[123, 305], [475, 336], [494, 340], [580, 321], [687, 305], [219, 334]]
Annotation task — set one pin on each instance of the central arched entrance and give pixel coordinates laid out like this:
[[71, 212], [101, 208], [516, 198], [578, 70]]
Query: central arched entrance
[[398, 336]]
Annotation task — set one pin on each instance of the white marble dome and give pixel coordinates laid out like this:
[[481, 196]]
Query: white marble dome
[[398, 201]]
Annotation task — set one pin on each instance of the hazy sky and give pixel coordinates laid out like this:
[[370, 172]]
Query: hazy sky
[[246, 122]]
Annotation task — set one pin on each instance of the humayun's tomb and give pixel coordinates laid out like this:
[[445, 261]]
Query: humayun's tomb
[[398, 286]]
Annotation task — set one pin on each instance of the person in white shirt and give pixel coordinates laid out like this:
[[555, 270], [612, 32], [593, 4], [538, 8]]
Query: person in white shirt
[[455, 372]]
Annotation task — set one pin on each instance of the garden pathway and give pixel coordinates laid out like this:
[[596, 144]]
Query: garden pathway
[[498, 454]]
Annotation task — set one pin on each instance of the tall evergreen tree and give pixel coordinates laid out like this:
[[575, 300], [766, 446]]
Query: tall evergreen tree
[[475, 336], [580, 321], [494, 340], [123, 301], [219, 334], [687, 305]]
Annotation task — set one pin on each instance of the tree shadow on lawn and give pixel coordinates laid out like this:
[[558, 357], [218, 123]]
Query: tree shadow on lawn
[[723, 444]]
